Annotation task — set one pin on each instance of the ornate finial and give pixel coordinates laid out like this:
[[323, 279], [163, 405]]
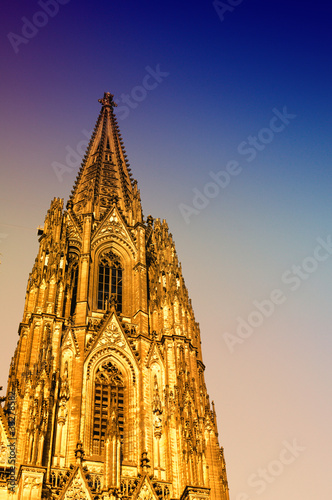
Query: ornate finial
[[156, 404], [113, 301], [107, 100], [149, 220], [114, 199], [145, 461], [79, 452]]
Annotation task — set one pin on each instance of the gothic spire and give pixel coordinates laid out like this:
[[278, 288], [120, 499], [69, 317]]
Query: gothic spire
[[104, 177]]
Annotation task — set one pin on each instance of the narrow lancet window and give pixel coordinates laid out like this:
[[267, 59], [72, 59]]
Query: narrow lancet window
[[110, 282], [74, 278], [103, 285], [108, 411]]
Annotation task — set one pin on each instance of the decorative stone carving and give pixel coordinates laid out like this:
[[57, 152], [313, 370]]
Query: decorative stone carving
[[64, 387], [107, 100], [108, 373], [62, 413], [112, 335], [95, 469], [113, 226], [145, 493], [79, 452], [31, 485], [76, 491], [32, 482], [157, 410], [71, 343], [3, 448]]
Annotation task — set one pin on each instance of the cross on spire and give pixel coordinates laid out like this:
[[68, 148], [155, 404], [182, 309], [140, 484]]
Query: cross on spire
[[107, 100]]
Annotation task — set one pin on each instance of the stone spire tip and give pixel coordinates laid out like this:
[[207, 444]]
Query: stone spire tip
[[107, 100]]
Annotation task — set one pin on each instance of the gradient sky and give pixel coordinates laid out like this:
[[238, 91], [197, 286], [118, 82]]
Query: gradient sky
[[222, 79]]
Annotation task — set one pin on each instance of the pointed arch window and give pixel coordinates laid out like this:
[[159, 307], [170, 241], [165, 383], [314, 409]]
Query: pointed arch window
[[74, 281], [110, 281], [108, 409], [71, 274]]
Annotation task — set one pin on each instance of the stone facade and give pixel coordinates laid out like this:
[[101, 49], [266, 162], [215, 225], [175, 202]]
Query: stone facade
[[106, 396]]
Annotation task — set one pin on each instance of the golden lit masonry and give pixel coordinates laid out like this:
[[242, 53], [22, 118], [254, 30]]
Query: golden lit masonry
[[106, 396]]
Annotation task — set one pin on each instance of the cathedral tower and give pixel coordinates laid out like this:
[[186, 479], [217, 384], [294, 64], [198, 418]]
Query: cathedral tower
[[106, 396]]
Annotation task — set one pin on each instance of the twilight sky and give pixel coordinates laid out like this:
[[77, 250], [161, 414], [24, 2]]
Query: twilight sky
[[225, 114]]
